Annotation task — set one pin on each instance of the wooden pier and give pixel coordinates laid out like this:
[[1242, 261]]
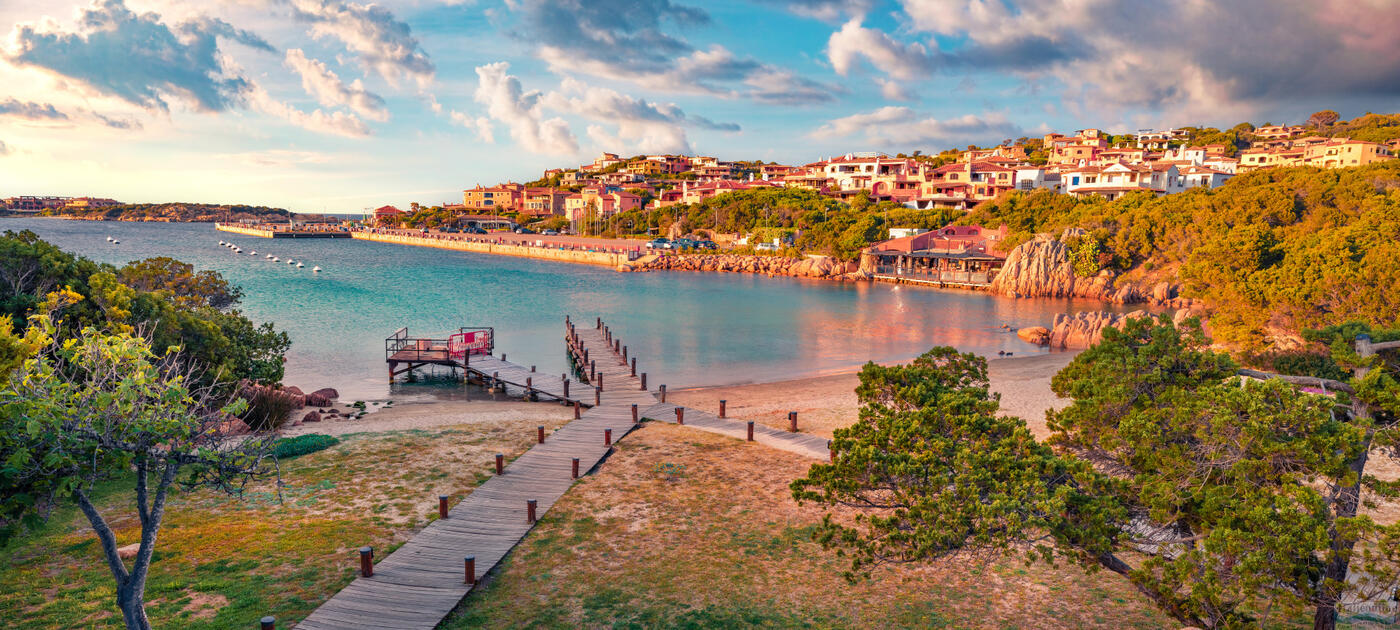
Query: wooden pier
[[418, 585]]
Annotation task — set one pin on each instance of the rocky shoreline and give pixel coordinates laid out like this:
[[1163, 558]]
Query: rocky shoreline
[[819, 267]]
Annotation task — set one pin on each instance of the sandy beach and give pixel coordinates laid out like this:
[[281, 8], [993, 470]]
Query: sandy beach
[[824, 403]]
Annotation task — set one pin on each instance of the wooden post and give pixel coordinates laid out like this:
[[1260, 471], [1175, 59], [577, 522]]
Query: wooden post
[[495, 381], [442, 506], [624, 354], [529, 386], [634, 367], [721, 408], [367, 561], [751, 430], [597, 397], [634, 414], [792, 422], [530, 511], [503, 356], [607, 437], [267, 623], [600, 381], [680, 415], [575, 468], [644, 381], [663, 392], [566, 388], [532, 369], [470, 570], [540, 431], [600, 323], [500, 463], [617, 346], [577, 411]]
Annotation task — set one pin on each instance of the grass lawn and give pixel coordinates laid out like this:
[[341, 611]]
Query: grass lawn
[[721, 544], [223, 562]]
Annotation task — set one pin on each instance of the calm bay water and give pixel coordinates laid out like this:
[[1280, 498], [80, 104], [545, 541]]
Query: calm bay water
[[687, 329]]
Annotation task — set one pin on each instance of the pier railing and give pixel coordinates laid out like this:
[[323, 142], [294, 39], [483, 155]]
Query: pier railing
[[457, 346]]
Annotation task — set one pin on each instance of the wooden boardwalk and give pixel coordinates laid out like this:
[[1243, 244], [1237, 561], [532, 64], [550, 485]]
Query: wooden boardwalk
[[416, 586]]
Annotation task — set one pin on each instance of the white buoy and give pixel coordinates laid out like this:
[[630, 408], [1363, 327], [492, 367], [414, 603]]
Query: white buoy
[[291, 262], [276, 259], [109, 239], [116, 242], [299, 265], [316, 269], [221, 242]]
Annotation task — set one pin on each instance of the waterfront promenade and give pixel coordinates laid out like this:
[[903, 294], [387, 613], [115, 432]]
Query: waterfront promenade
[[571, 249]]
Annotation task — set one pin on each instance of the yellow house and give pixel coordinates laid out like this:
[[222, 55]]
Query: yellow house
[[1254, 159], [1340, 153]]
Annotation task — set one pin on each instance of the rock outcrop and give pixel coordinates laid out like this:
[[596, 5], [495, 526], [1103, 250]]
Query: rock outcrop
[[1041, 267], [1038, 335], [810, 267], [1085, 329]]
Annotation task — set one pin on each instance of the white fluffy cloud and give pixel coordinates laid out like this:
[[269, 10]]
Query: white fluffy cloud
[[521, 112], [902, 127], [323, 83], [319, 121], [383, 42], [853, 42], [641, 126]]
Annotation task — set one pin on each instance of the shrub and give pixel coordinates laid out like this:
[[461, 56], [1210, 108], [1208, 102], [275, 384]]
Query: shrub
[[268, 408], [287, 448]]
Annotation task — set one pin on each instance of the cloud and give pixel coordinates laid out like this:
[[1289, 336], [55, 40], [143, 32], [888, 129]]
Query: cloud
[[521, 112], [642, 126], [833, 11], [29, 110], [4, 148], [335, 123], [1191, 58], [852, 42], [626, 40], [479, 125], [138, 58], [322, 83], [116, 123], [895, 126], [383, 42]]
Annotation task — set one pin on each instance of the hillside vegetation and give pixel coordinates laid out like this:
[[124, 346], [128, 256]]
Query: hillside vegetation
[[177, 211], [1273, 251]]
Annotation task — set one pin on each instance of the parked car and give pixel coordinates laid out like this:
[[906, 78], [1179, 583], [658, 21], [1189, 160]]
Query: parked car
[[473, 230], [765, 247], [549, 233], [660, 243], [706, 244], [524, 230]]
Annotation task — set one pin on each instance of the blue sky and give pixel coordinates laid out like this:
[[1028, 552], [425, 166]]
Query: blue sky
[[337, 105]]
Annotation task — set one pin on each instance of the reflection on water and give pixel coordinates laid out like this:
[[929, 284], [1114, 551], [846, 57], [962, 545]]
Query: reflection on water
[[687, 329]]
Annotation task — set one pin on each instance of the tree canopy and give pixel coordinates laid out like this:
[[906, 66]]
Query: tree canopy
[[1226, 502]]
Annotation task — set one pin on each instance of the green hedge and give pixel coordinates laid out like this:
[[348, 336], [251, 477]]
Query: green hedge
[[287, 448]]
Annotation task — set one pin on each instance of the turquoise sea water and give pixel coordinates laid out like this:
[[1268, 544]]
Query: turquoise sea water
[[687, 329]]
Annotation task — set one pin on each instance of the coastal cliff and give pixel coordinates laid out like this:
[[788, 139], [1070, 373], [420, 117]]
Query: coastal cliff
[[1042, 267], [822, 267]]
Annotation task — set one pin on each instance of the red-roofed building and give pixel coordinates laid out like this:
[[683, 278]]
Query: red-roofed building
[[961, 255], [385, 213]]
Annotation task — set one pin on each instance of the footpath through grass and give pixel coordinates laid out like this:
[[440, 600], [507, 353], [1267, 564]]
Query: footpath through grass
[[223, 562]]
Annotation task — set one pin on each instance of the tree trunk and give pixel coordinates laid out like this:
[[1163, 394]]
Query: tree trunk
[[133, 607]]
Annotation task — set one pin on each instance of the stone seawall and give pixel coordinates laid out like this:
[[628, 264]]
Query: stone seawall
[[809, 267], [523, 251], [246, 231]]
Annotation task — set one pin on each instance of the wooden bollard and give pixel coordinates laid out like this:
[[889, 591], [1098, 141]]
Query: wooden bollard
[[585, 355], [617, 346], [500, 464], [529, 386], [600, 381], [680, 415], [597, 397], [530, 511], [644, 381], [751, 430], [367, 561], [575, 468], [792, 422], [721, 408], [600, 323], [577, 410], [470, 570], [566, 387], [624, 354], [442, 506], [267, 623], [540, 431], [495, 381], [663, 392], [532, 369], [503, 356], [634, 367], [607, 437], [634, 414]]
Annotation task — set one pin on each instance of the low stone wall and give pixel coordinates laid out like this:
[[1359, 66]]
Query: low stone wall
[[523, 251]]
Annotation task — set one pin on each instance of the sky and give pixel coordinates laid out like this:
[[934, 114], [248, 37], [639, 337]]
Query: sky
[[338, 105]]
